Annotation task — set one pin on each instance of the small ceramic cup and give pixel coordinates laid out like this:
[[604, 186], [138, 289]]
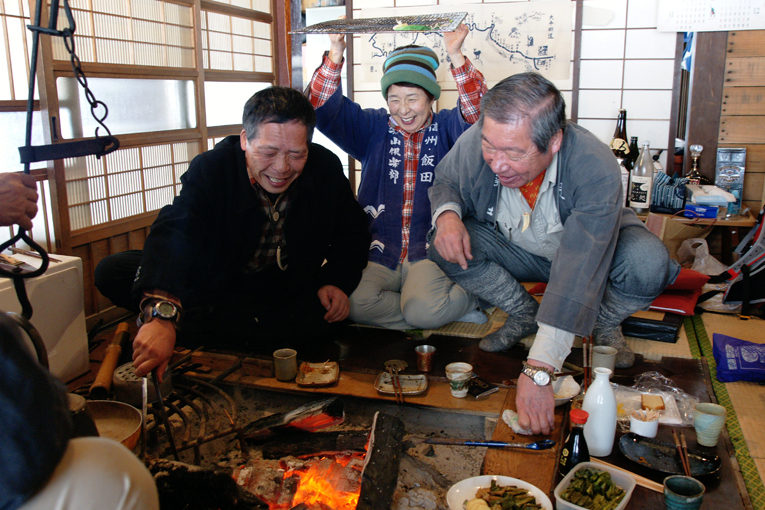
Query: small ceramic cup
[[604, 356], [459, 375], [644, 428], [683, 493], [285, 364], [708, 420]]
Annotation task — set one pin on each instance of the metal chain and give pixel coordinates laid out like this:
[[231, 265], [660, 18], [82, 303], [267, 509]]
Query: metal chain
[[68, 36]]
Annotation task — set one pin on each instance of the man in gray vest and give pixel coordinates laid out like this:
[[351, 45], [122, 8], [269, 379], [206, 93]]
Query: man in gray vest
[[525, 196]]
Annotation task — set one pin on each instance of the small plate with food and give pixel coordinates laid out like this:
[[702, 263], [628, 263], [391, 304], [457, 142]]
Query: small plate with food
[[318, 374], [492, 489]]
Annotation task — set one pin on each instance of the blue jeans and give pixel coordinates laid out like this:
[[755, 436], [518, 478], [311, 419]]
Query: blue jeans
[[640, 270]]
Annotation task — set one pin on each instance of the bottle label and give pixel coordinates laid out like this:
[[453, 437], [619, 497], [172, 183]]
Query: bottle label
[[617, 144], [640, 191]]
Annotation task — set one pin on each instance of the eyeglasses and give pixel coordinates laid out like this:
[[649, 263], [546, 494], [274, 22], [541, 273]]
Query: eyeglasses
[[510, 155]]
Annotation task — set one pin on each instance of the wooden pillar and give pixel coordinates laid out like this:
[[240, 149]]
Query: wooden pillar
[[707, 74]]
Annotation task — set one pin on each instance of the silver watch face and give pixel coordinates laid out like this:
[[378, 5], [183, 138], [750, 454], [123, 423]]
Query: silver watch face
[[541, 378], [165, 310]]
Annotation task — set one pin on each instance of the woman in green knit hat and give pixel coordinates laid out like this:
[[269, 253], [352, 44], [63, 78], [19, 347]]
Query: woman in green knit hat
[[399, 149]]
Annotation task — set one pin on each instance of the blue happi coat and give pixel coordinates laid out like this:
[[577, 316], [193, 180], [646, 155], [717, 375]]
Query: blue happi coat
[[366, 135]]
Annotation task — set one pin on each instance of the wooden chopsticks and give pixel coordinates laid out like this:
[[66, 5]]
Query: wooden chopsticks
[[586, 361], [682, 451], [641, 480], [396, 383]]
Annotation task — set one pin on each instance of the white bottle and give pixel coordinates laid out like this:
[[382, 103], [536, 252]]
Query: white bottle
[[600, 403], [641, 181]]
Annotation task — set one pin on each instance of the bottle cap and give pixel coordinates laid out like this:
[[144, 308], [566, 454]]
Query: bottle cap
[[579, 416]]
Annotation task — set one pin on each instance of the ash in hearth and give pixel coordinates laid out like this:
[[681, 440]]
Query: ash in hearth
[[426, 472]]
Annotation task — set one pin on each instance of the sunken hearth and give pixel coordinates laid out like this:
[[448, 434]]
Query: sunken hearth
[[250, 436]]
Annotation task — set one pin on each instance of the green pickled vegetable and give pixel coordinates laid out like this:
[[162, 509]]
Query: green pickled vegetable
[[593, 489]]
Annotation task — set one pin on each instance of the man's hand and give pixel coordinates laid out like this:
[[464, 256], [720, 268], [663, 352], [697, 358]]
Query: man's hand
[[452, 239], [18, 200], [336, 303], [336, 46], [153, 347], [454, 42], [535, 404]]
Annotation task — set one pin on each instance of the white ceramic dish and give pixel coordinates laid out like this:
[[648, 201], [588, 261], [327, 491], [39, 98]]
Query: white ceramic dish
[[568, 390], [466, 489], [620, 478], [318, 374], [410, 384]]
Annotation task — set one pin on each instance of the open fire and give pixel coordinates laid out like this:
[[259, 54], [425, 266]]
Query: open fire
[[319, 483]]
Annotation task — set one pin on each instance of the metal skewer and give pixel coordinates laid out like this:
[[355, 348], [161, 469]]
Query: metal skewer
[[163, 413]]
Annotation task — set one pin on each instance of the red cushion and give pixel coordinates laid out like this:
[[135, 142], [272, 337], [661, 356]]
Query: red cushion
[[677, 301], [688, 279]]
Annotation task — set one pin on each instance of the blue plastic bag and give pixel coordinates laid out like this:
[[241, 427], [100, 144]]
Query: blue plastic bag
[[738, 360]]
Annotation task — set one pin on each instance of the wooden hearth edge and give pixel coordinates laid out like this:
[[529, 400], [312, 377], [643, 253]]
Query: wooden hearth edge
[[535, 467], [258, 373]]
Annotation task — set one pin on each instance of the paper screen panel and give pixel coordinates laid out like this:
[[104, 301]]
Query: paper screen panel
[[134, 32], [126, 182], [230, 43]]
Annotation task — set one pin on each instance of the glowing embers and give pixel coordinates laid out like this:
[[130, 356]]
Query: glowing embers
[[331, 483]]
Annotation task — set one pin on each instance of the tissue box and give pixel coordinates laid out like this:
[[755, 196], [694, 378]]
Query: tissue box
[[700, 211]]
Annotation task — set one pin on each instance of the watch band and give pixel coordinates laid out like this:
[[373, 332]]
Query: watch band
[[530, 370], [149, 311]]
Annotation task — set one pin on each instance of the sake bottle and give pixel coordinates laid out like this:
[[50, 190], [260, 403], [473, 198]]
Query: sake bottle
[[600, 404], [641, 181], [634, 152], [621, 150]]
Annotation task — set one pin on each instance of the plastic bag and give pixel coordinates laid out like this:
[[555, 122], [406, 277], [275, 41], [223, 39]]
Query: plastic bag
[[678, 405], [694, 252], [738, 360]]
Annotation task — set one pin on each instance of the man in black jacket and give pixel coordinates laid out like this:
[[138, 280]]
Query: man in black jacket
[[260, 250]]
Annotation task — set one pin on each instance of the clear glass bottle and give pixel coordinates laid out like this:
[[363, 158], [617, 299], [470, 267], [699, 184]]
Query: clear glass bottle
[[641, 181], [600, 403], [575, 448]]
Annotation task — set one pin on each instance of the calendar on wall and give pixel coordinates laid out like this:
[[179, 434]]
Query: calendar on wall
[[710, 15]]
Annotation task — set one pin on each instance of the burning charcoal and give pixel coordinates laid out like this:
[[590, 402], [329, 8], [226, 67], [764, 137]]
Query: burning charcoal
[[186, 487]]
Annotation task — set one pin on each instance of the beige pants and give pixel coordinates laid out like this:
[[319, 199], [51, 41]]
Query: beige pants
[[417, 295], [99, 474]]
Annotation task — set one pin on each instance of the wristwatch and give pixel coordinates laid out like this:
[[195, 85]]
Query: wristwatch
[[540, 375], [163, 309]]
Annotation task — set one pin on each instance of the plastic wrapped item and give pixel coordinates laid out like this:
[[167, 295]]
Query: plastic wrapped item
[[678, 404], [694, 253]]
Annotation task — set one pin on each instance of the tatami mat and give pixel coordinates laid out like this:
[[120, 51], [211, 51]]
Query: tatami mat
[[748, 398], [744, 412], [468, 330]]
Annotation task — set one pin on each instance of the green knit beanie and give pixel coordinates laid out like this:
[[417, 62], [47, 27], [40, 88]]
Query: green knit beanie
[[411, 64]]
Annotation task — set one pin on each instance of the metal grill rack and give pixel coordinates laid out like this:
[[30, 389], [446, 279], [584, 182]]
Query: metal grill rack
[[446, 22]]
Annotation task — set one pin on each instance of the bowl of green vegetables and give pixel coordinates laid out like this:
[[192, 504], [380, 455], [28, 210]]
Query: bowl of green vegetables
[[594, 486]]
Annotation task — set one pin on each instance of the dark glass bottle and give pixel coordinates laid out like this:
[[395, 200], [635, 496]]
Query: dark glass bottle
[[575, 449], [621, 150], [634, 152], [619, 144]]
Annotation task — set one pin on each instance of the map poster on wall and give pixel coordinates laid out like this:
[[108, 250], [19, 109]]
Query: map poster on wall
[[710, 15], [504, 39]]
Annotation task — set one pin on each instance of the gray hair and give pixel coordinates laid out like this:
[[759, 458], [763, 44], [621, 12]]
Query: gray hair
[[277, 105], [527, 96]]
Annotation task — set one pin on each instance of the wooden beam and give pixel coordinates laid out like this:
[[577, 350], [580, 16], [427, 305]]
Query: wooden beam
[[743, 101], [746, 43], [747, 71], [63, 68], [237, 12], [740, 130], [113, 228], [705, 99]]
